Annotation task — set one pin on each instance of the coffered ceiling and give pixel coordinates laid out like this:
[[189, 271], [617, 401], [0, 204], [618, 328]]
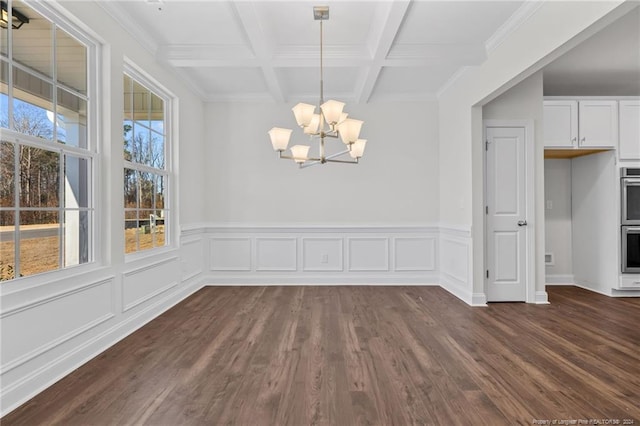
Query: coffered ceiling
[[269, 50]]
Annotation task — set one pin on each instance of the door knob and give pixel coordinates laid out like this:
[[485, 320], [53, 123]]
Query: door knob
[[522, 223]]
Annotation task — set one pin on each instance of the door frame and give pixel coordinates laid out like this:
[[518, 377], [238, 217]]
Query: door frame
[[530, 233]]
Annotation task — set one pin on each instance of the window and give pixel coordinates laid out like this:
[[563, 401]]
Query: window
[[146, 171], [47, 148]]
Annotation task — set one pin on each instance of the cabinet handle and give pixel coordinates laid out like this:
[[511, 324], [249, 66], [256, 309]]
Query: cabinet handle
[[573, 140], [583, 139]]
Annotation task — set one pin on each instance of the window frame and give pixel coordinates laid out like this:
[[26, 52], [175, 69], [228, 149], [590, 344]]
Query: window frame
[[91, 153], [140, 77]]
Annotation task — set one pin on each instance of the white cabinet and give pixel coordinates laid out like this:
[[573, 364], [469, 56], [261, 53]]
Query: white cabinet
[[560, 124], [580, 124], [629, 148]]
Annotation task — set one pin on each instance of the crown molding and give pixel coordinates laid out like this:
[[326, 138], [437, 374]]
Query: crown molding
[[129, 25], [207, 55], [239, 97], [520, 16]]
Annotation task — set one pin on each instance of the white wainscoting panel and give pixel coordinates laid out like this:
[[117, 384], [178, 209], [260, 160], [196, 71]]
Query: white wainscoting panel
[[192, 258], [276, 254], [455, 263], [144, 283], [322, 254], [368, 254], [414, 253], [39, 326], [230, 254]]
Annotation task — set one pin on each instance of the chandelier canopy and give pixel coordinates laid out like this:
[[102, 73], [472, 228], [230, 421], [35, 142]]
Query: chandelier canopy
[[329, 122]]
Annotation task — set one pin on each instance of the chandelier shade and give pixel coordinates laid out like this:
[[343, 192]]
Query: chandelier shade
[[303, 113], [314, 124], [300, 153], [357, 149], [349, 130], [332, 110], [329, 122], [280, 138]]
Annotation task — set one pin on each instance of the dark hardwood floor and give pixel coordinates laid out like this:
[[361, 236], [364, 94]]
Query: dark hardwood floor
[[360, 355]]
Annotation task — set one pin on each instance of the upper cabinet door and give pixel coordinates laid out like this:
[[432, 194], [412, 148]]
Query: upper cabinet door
[[598, 124], [560, 124], [630, 130]]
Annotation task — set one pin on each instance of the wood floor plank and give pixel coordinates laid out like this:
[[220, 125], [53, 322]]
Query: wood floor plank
[[359, 355]]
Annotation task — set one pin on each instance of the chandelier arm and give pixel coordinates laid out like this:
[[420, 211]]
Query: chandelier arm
[[289, 157], [309, 164], [337, 154], [355, 161]]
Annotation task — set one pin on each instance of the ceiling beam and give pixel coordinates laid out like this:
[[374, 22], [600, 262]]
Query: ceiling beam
[[389, 19], [256, 38]]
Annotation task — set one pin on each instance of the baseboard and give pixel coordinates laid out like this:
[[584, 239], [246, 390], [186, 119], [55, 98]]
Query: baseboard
[[542, 298], [479, 299], [585, 287], [426, 279], [455, 288], [559, 279], [15, 395]]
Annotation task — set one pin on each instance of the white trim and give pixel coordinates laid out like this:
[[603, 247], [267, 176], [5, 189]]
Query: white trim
[[479, 299], [541, 298], [389, 279], [520, 16], [324, 229]]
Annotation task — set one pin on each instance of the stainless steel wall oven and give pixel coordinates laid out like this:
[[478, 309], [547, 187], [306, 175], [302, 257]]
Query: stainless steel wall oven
[[630, 220]]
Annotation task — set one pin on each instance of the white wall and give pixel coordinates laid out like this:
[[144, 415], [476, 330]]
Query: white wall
[[52, 323], [557, 194], [396, 182], [595, 224], [551, 30]]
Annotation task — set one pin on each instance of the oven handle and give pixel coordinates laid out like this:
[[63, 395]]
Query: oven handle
[[631, 228], [631, 180]]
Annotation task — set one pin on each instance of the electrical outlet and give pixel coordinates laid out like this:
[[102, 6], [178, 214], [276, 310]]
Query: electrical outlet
[[549, 204], [324, 258]]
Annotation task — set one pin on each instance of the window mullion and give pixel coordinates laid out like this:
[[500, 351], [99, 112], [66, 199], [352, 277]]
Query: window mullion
[[16, 210]]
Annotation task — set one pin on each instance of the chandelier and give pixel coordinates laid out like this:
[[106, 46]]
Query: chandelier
[[329, 122]]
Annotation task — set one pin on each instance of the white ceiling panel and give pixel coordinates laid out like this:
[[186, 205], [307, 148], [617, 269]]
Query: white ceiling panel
[[410, 82], [291, 22], [225, 81], [305, 82], [185, 22], [454, 22], [383, 49]]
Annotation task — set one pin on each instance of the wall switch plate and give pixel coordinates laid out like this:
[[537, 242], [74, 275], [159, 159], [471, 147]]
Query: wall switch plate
[[324, 258], [549, 204]]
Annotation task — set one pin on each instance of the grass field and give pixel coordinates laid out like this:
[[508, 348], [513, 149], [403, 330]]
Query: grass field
[[42, 254]]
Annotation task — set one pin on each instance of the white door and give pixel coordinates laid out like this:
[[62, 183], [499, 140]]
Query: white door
[[506, 214]]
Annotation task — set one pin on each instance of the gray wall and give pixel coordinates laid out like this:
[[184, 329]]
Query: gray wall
[[396, 182], [557, 191]]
